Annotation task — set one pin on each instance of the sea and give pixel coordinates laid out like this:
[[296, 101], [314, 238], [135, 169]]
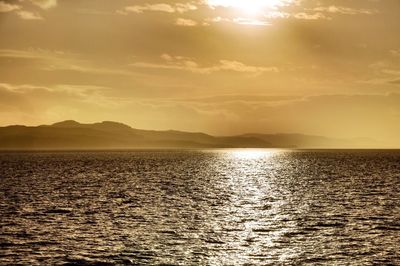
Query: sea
[[200, 207]]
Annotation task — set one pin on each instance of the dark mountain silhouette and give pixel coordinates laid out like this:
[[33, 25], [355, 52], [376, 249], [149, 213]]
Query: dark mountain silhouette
[[112, 135]]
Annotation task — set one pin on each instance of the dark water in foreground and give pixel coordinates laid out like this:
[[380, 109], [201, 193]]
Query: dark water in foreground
[[231, 207]]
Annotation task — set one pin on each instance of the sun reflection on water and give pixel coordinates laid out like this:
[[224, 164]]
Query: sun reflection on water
[[252, 154], [254, 212]]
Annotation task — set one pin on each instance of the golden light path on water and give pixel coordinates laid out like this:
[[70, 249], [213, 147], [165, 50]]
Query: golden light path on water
[[255, 205], [253, 153]]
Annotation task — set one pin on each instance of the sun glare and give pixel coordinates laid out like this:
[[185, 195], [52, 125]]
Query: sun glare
[[252, 154], [249, 6]]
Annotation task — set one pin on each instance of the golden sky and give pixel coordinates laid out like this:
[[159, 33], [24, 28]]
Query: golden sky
[[323, 67]]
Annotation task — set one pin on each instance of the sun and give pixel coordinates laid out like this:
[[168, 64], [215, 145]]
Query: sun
[[252, 7]]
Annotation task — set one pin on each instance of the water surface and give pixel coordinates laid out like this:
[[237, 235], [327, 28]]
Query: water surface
[[215, 207]]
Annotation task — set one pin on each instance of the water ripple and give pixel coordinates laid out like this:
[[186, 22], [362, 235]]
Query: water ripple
[[216, 207]]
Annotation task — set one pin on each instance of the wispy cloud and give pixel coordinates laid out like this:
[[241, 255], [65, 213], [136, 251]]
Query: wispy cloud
[[238, 20], [322, 12], [6, 7], [61, 61], [161, 7], [312, 16], [185, 22], [344, 10], [27, 15], [82, 93], [45, 4], [188, 64], [30, 53]]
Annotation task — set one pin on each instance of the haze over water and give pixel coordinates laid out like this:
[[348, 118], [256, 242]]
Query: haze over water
[[211, 207]]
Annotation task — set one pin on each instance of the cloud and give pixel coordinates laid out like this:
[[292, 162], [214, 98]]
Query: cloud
[[307, 16], [27, 15], [45, 4], [161, 7], [344, 10], [156, 7], [268, 17], [251, 21], [81, 93], [243, 4], [278, 10], [31, 54], [185, 22], [241, 67], [5, 7], [245, 21], [187, 64], [48, 60], [234, 98]]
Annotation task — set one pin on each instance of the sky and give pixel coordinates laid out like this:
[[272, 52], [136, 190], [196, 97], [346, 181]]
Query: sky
[[224, 67]]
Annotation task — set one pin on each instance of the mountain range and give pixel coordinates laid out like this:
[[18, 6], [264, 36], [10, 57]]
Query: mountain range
[[112, 135]]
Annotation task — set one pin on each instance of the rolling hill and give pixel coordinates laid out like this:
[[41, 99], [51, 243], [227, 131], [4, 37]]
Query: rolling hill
[[112, 135]]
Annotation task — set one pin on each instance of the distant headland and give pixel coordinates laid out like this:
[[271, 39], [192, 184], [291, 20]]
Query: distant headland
[[113, 135]]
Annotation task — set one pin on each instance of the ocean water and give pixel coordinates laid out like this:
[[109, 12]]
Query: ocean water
[[212, 207]]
